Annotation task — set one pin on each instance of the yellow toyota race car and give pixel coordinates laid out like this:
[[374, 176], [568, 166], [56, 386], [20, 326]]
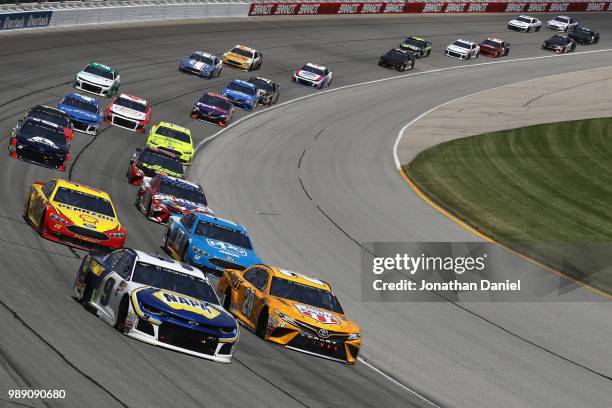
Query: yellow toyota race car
[[174, 139], [244, 58], [292, 310], [74, 214]]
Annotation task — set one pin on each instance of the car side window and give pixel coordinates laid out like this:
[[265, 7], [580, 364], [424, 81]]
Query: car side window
[[113, 257], [249, 275], [188, 220], [155, 182], [48, 188], [123, 266], [261, 279]]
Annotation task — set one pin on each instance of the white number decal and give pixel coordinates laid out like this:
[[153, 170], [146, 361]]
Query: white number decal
[[247, 305]]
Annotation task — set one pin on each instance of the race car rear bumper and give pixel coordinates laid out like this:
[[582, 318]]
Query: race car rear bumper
[[33, 156]]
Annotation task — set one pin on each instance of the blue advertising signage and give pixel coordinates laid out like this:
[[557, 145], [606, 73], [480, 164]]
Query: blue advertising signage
[[15, 21]]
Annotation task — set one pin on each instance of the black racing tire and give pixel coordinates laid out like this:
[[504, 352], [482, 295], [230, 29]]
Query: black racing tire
[[26, 208], [262, 323], [87, 293], [148, 214], [401, 68], [477, 54], [538, 28], [122, 315], [227, 300], [428, 52]]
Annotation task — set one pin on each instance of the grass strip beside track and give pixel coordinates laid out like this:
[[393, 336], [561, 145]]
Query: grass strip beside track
[[544, 191]]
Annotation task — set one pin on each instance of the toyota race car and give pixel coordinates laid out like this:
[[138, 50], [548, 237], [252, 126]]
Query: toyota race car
[[242, 94], [291, 310], [214, 108], [85, 113], [494, 47], [202, 64], [397, 58], [463, 49], [559, 44], [313, 75], [243, 58], [128, 112], [147, 163], [267, 90], [162, 197], [39, 141], [158, 301], [98, 79], [584, 36], [53, 115], [525, 24], [416, 45], [74, 214], [174, 139], [562, 23], [209, 243]]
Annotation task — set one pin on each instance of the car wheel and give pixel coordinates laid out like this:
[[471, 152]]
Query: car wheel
[[122, 315], [262, 324], [26, 209], [476, 56], [538, 28], [402, 68], [148, 214], [87, 293]]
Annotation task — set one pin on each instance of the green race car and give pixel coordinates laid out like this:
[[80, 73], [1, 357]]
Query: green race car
[[418, 46], [98, 79], [174, 139]]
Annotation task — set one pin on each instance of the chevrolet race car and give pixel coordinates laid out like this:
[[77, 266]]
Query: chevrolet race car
[[562, 23], [584, 36], [128, 112], [525, 24], [172, 138], [39, 141], [416, 45], [397, 58], [291, 310], [74, 214], [244, 58], [462, 49], [85, 113], [163, 197], [158, 301], [494, 47], [215, 108], [209, 243], [267, 90], [98, 79], [242, 94], [147, 163], [559, 44], [313, 75], [53, 115], [202, 64]]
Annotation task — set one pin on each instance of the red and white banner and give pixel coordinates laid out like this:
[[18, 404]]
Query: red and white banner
[[296, 9]]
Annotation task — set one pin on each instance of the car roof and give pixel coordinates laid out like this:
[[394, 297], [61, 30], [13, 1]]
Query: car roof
[[498, 40], [133, 98], [204, 54], [180, 182], [269, 81], [213, 219], [49, 109], [244, 47], [299, 278], [524, 16], [82, 187], [44, 122], [242, 82], [310, 64], [101, 66], [83, 98], [416, 38], [217, 95], [169, 263], [464, 41], [174, 127]]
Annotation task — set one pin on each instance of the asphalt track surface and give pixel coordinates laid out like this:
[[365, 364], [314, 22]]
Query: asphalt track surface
[[310, 180]]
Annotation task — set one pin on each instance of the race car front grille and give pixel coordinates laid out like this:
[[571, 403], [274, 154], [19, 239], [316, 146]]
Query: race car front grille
[[192, 70], [123, 122], [226, 349], [455, 54], [91, 87], [187, 339], [86, 232], [80, 126], [226, 265], [145, 327], [304, 82], [326, 347]]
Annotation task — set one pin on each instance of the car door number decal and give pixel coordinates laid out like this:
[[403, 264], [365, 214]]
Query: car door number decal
[[247, 305]]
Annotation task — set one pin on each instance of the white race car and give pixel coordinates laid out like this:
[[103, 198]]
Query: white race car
[[525, 24], [159, 301], [98, 79], [463, 49], [128, 112], [562, 23], [313, 75]]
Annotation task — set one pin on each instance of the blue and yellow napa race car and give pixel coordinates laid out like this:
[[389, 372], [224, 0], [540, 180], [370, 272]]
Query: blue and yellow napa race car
[[209, 243], [159, 301], [242, 94], [85, 112]]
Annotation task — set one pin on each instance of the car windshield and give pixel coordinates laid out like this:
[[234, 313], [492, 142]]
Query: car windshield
[[173, 133], [396, 55], [55, 138], [561, 19], [314, 70], [80, 104], [261, 84], [461, 44], [131, 104], [244, 53], [523, 20], [214, 100], [306, 294], [492, 43], [557, 39], [51, 115], [201, 58], [413, 41], [98, 71], [155, 159], [237, 86], [175, 281], [84, 201], [583, 30], [223, 234], [175, 190]]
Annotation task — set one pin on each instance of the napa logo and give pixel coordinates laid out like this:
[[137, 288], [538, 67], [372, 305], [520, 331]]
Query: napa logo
[[189, 304]]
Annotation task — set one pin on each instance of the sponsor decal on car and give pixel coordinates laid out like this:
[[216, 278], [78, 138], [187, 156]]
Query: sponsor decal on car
[[226, 248], [182, 302], [317, 314]]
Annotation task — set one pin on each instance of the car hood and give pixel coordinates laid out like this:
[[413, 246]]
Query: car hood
[[557, 23], [488, 47], [412, 47], [199, 65], [554, 43], [211, 109], [85, 218], [311, 76], [42, 143], [181, 205], [237, 57], [315, 317], [79, 114], [459, 50], [231, 93], [95, 79], [519, 23], [226, 251], [127, 112]]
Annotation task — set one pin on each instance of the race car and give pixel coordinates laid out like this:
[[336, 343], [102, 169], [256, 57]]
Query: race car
[[158, 301], [243, 58], [174, 139], [267, 90], [98, 79], [201, 64], [313, 75], [214, 108], [559, 44], [494, 47], [147, 163], [292, 310], [242, 94], [562, 23], [52, 115], [463, 49], [397, 58], [128, 112], [525, 24], [162, 197], [584, 36], [209, 243], [416, 45], [39, 141], [74, 214], [85, 113]]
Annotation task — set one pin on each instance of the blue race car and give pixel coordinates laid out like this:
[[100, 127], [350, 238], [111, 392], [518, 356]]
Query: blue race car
[[202, 64], [242, 94], [209, 243], [85, 112]]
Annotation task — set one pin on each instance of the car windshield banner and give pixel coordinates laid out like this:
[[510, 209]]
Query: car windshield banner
[[33, 19]]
